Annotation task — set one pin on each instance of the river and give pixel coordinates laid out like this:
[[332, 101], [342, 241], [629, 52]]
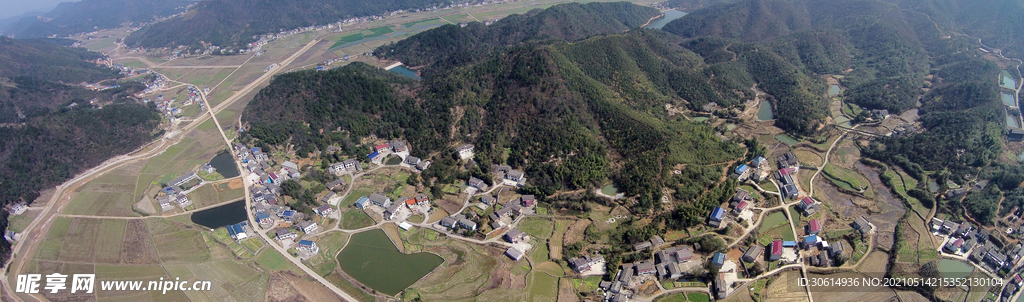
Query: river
[[213, 218], [371, 258], [668, 17]]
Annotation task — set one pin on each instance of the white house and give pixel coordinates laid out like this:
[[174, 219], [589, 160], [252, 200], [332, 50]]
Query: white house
[[308, 226], [307, 245]]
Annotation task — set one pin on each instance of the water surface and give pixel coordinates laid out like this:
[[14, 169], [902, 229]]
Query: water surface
[[225, 165], [213, 218], [764, 111], [668, 17], [402, 70], [833, 90], [954, 269], [1006, 80], [374, 261]]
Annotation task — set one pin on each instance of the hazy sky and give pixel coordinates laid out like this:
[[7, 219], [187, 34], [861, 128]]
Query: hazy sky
[[16, 7]]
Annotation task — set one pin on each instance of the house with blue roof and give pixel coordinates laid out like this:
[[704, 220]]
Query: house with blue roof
[[373, 155], [759, 161], [810, 241], [263, 218], [716, 217], [718, 259], [788, 243], [307, 245], [237, 231], [288, 215], [742, 169], [362, 202]]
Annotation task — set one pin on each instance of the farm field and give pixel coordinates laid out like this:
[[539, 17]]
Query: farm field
[[537, 227]]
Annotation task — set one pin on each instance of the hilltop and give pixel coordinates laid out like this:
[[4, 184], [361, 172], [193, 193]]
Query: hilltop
[[89, 15]]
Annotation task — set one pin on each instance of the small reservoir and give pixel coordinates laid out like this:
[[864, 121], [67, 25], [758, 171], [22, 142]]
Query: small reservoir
[[668, 17], [764, 111], [954, 269], [225, 165], [402, 70], [371, 258], [1006, 80], [1008, 99], [833, 90], [213, 218]]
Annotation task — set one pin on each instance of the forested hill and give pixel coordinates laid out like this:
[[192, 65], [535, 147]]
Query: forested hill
[[49, 130], [566, 22], [230, 23], [562, 111], [49, 61], [89, 15]]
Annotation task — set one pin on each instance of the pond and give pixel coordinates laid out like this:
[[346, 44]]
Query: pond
[[954, 269], [371, 258], [1006, 80], [668, 17], [764, 111], [402, 70], [700, 119], [786, 139], [1012, 121], [213, 218], [225, 165], [833, 90], [933, 186], [610, 190], [1008, 99]]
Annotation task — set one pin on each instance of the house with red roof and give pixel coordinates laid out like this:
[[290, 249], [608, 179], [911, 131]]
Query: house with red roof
[[776, 251], [814, 227]]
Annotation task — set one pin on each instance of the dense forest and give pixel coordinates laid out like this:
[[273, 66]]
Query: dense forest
[[568, 22], [49, 130], [89, 15], [234, 23]]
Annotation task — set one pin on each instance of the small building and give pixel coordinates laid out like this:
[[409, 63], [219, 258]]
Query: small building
[[514, 253], [721, 287], [742, 169], [740, 195], [405, 225], [380, 200], [1015, 134], [787, 160], [718, 259], [487, 199], [477, 183], [528, 200], [392, 211], [584, 263], [336, 185], [308, 245], [263, 218], [411, 160], [716, 217], [352, 165], [814, 227], [645, 267], [753, 253], [861, 224], [323, 210], [362, 202], [759, 162], [514, 236], [422, 200], [683, 254], [327, 197], [836, 249], [291, 165], [808, 206], [642, 246], [823, 260], [308, 226], [656, 241], [468, 224], [465, 151], [740, 207], [447, 222], [284, 234], [810, 240], [776, 252], [237, 231], [398, 146], [12, 236]]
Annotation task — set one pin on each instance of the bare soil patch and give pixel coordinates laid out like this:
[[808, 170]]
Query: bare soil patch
[[576, 231], [137, 247]]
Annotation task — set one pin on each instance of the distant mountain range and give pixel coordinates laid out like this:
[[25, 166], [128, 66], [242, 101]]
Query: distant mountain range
[[89, 15], [231, 23]]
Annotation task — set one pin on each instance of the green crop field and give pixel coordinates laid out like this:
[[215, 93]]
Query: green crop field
[[355, 219], [543, 287], [324, 262], [537, 227]]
